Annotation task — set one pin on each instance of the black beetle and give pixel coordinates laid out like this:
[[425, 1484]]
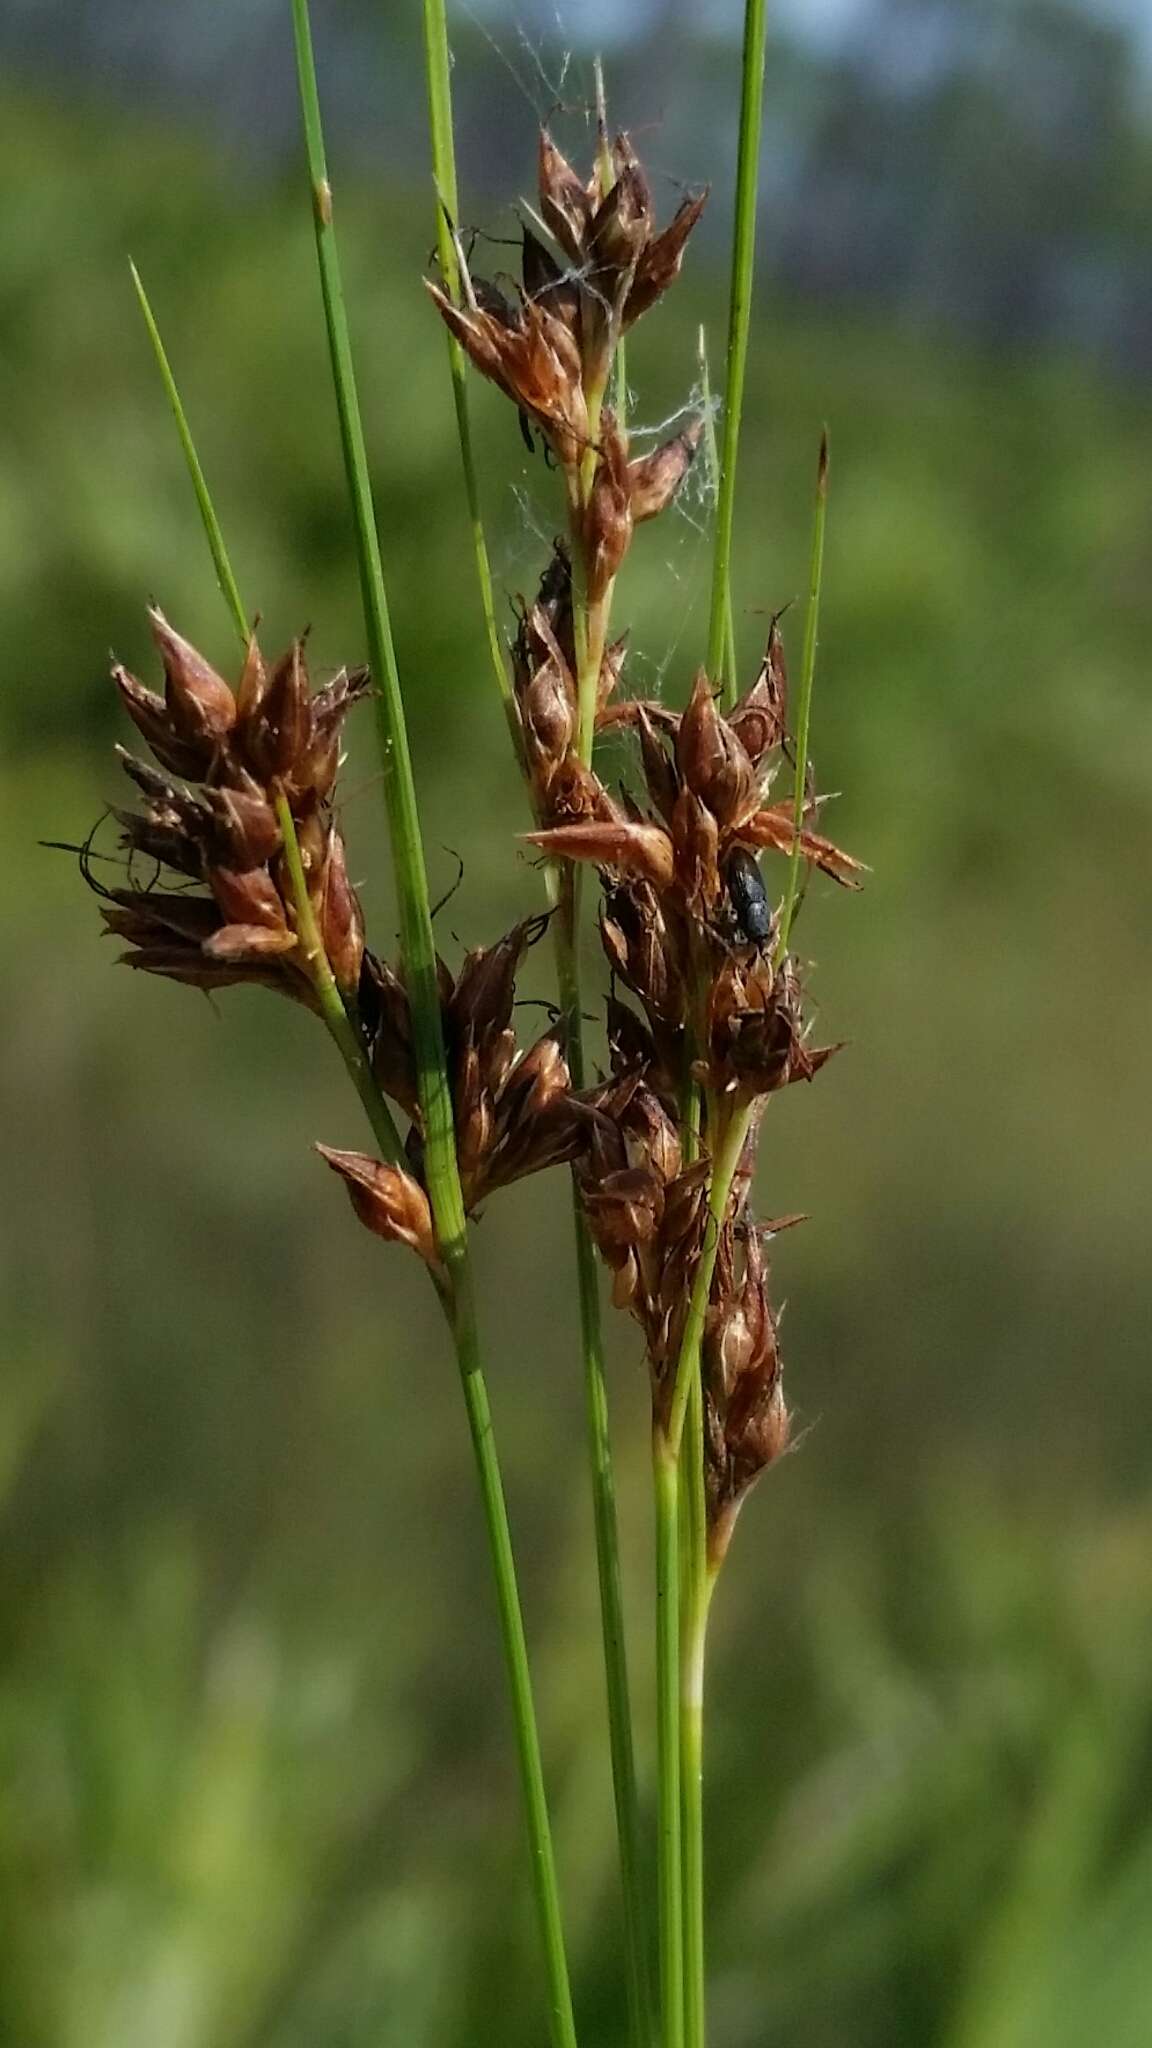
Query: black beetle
[[747, 897]]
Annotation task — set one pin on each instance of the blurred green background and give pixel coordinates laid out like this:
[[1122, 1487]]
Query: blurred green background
[[257, 1788]]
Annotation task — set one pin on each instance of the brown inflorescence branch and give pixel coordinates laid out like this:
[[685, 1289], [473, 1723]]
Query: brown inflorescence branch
[[214, 818], [688, 931], [245, 751], [686, 921]]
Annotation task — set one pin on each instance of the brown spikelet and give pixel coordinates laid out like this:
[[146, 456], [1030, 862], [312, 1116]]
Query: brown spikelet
[[388, 1201], [712, 761], [241, 754], [774, 827], [759, 718], [660, 262], [200, 704], [654, 479], [630, 847]]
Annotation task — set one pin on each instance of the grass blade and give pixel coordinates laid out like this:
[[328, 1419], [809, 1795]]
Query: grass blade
[[341, 1025], [804, 708], [724, 672], [438, 69], [739, 320], [420, 969], [227, 581], [605, 1522]]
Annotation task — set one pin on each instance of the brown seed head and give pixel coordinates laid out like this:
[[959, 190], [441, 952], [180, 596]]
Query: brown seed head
[[713, 763], [341, 919], [758, 720], [607, 517], [746, 1421], [245, 751], [201, 707], [659, 264], [654, 479], [152, 718], [388, 1202]]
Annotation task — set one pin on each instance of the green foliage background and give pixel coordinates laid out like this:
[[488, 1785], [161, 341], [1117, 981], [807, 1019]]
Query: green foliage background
[[256, 1787]]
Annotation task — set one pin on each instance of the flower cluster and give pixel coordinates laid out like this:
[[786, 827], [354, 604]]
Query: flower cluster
[[705, 1014], [513, 1110], [249, 752], [550, 348], [689, 932], [237, 769]]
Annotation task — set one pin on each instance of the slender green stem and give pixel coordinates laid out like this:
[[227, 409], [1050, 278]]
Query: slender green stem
[[726, 673], [589, 620], [607, 168], [739, 315], [341, 1026], [590, 628], [565, 925], [336, 1010], [605, 1521], [725, 1160], [438, 69], [804, 709], [693, 1569], [694, 1630], [670, 1899], [417, 940], [227, 581], [515, 1647], [441, 1168]]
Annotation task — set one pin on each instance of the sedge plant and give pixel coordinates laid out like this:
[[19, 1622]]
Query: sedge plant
[[704, 1019]]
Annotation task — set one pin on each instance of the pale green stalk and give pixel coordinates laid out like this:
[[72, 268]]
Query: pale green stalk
[[441, 1168], [804, 707], [693, 1576], [607, 169], [438, 70], [687, 1393], [670, 1897], [725, 674], [725, 1160], [679, 1662], [337, 1012], [568, 987], [340, 1024], [693, 1636], [739, 320], [215, 538]]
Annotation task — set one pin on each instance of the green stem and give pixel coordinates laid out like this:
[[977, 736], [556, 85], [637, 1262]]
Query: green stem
[[607, 171], [438, 70], [604, 1516], [804, 710], [693, 1569], [694, 1629], [337, 1010], [565, 926], [589, 621], [227, 581], [342, 1027], [726, 673], [670, 1900], [562, 2026], [739, 315], [724, 1163], [441, 1170]]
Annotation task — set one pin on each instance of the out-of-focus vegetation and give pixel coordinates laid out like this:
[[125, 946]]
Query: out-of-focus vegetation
[[256, 1787]]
